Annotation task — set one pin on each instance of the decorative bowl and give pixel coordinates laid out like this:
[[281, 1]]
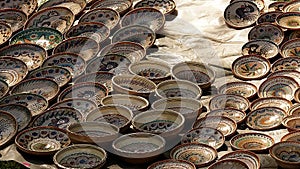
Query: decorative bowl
[[255, 142], [248, 157], [245, 89], [266, 31], [166, 123], [145, 16], [4, 88], [265, 118], [259, 3], [9, 76], [224, 124], [131, 50], [200, 155], [32, 55], [121, 6], [93, 133], [290, 48], [132, 84], [204, 135], [286, 154], [229, 101], [200, 73], [237, 115], [29, 8], [47, 38], [135, 103], [36, 104], [73, 62], [117, 115], [290, 73], [278, 86], [268, 17], [154, 71], [178, 88], [292, 123], [20, 113], [289, 20], [99, 77], [5, 32], [76, 6], [42, 140], [112, 63], [294, 110], [58, 74], [228, 164], [87, 90], [279, 102], [139, 148], [135, 33], [80, 156], [292, 6], [165, 6], [243, 18], [58, 117], [291, 136], [86, 47], [261, 47], [251, 67], [109, 17], [171, 163], [276, 6], [94, 30], [9, 127], [288, 63]]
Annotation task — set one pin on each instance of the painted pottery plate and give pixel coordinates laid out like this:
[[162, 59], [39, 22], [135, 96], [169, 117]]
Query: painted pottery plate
[[297, 95], [266, 31], [292, 6], [255, 142], [294, 110], [76, 6], [121, 6], [59, 18], [99, 77], [237, 115], [264, 48], [172, 163], [289, 63], [245, 89], [279, 102], [268, 17], [290, 48], [259, 3], [292, 136], [276, 6], [4, 88], [229, 164], [294, 34], [9, 127], [42, 140], [248, 157], [5, 32], [290, 20], [27, 6], [42, 86], [35, 103], [278, 86], [290, 73], [229, 101], [47, 38], [265, 118], [11, 77], [204, 135], [135, 33], [166, 6], [15, 66], [292, 123]]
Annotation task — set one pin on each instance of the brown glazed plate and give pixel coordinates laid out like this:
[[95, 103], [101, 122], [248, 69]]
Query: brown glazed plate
[[288, 63], [268, 17], [229, 101], [271, 102], [259, 3], [244, 89], [276, 6], [250, 158], [266, 31], [289, 20], [237, 115], [290, 48], [229, 164], [292, 136], [165, 6], [121, 6], [290, 73], [261, 47], [76, 6]]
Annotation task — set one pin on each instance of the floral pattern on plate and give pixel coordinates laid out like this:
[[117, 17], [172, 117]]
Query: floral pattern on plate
[[268, 17], [5, 32], [237, 115]]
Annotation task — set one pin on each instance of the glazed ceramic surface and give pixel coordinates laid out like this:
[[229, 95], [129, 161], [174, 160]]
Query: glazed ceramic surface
[[292, 123], [171, 163], [99, 77], [268, 17], [264, 48], [4, 88], [279, 102], [5, 32], [248, 157], [76, 6], [277, 6], [289, 63], [27, 6], [290, 73], [290, 48], [164, 6], [121, 6], [267, 31], [290, 20], [237, 115], [294, 34], [229, 163], [9, 76], [292, 6], [259, 3], [229, 101], [9, 127], [291, 136], [244, 89], [297, 95]]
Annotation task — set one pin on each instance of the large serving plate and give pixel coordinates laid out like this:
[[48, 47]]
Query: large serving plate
[[261, 47], [9, 127], [289, 63], [250, 158], [164, 6], [267, 31], [29, 8], [121, 6], [279, 102], [229, 101], [76, 6], [245, 89], [99, 77]]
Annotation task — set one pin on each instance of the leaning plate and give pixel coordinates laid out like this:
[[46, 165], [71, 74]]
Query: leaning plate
[[11, 77], [9, 127], [289, 20], [14, 17], [237, 115], [229, 101], [121, 6], [267, 31], [297, 95], [248, 157], [245, 89], [99, 77], [290, 48], [76, 6], [292, 6], [289, 63], [279, 102], [166, 6], [294, 110], [290, 73], [292, 136], [261, 47], [268, 17]]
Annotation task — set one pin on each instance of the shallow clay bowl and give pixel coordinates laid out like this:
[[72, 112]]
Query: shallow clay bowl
[[245, 89]]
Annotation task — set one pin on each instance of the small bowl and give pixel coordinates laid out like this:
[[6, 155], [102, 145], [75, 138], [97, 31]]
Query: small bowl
[[255, 142], [5, 32], [292, 6], [268, 17], [204, 135], [248, 157], [276, 6], [290, 48], [80, 156], [250, 67], [29, 8], [278, 86], [290, 73], [286, 154], [135, 33], [289, 20], [42, 86], [99, 77], [139, 148], [291, 136], [200, 155], [265, 118], [4, 88], [47, 38], [237, 115], [178, 88], [9, 127], [245, 89], [86, 47], [229, 101], [166, 7], [291, 123], [279, 102], [32, 55], [289, 63], [200, 73], [36, 104], [266, 31], [76, 6], [132, 84], [229, 163], [42, 141], [294, 110], [261, 47], [73, 62], [152, 70], [171, 163], [117, 115], [121, 6]]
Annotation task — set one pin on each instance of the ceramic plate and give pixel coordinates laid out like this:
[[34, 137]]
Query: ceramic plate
[[268, 17], [171, 163], [165, 6], [290, 73], [224, 124], [229, 101], [76, 6], [35, 103], [4, 88], [265, 118], [290, 48], [86, 47], [264, 48], [248, 157], [245, 89], [11, 77], [135, 33], [290, 20], [297, 95], [204, 135], [48, 38], [294, 34], [291, 123], [121, 6], [289, 63], [245, 14], [237, 115], [27, 6], [259, 3], [42, 86], [99, 77], [292, 6], [266, 31], [294, 110], [9, 127], [255, 142], [250, 67], [59, 18], [229, 164], [278, 86], [279, 102], [276, 6], [292, 136], [73, 62], [5, 32]]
